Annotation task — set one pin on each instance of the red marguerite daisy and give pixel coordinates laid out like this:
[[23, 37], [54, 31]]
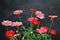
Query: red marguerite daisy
[[9, 33], [33, 20], [32, 9], [52, 31]]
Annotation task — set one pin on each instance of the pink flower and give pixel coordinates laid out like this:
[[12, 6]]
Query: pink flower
[[42, 30], [33, 20], [18, 12], [52, 16], [16, 35], [44, 27], [16, 24], [39, 14], [7, 23]]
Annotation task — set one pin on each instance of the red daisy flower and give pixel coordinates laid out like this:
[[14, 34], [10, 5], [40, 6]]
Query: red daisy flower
[[33, 20], [32, 9], [9, 33], [52, 31]]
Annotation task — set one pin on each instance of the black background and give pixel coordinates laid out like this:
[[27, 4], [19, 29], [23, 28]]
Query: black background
[[48, 7]]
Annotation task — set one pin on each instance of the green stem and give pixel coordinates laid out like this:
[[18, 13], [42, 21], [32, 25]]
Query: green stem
[[16, 39], [50, 25], [19, 18], [38, 25], [40, 37], [24, 36], [17, 30], [35, 37], [19, 38], [7, 28], [11, 38], [50, 37], [31, 26], [31, 14]]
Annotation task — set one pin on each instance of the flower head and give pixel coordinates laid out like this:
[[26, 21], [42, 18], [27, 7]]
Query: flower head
[[16, 24], [18, 12], [9, 33], [39, 14], [33, 20], [43, 29], [7, 23], [16, 35], [32, 10], [52, 16], [52, 31]]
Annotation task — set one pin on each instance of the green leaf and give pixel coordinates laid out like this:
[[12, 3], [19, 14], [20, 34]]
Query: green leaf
[[23, 27]]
